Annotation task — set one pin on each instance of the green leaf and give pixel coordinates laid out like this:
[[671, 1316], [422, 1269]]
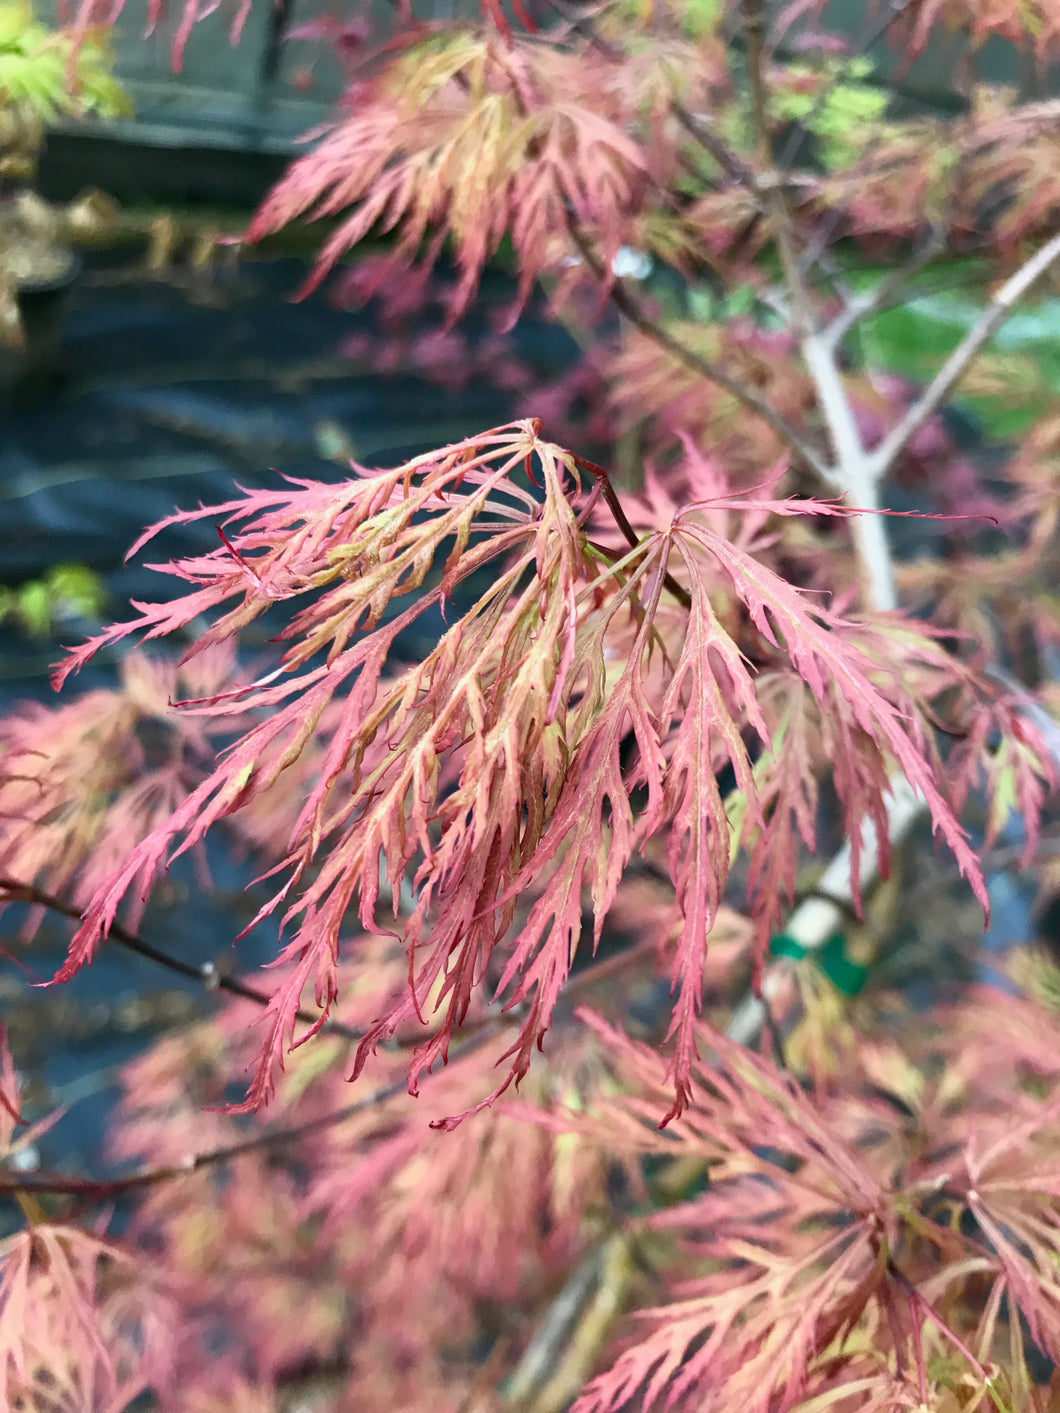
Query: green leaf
[[67, 589], [915, 338], [34, 608], [76, 589]]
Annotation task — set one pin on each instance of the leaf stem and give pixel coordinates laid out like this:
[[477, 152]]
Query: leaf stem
[[614, 504], [926, 1308]]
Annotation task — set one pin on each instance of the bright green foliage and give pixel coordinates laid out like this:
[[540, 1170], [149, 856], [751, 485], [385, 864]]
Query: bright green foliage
[[67, 590], [35, 69], [835, 104]]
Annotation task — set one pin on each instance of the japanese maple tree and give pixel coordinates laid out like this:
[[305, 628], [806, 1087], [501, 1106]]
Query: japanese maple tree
[[680, 669]]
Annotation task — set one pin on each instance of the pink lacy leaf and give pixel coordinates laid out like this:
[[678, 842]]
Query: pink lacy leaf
[[507, 761]]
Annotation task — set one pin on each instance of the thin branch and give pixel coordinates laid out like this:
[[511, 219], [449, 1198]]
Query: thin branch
[[944, 282], [627, 304], [954, 368], [698, 128], [208, 974], [614, 504], [767, 190], [567, 1345], [815, 252], [583, 25], [695, 126], [637, 316], [214, 980], [754, 25], [738, 170], [859, 308], [851, 469], [894, 287], [95, 1189], [769, 182], [472, 1036], [890, 290], [850, 472]]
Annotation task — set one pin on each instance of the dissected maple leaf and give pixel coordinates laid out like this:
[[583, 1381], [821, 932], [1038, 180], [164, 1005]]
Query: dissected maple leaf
[[1002, 160], [792, 1222], [510, 758], [83, 1324], [100, 13], [840, 1249], [916, 23], [82, 783], [1035, 20], [471, 137], [188, 13]]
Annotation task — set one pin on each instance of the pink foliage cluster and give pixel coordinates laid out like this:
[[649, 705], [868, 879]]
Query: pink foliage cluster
[[501, 762]]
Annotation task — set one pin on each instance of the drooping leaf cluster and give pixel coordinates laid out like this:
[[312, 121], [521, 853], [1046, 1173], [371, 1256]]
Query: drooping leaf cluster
[[583, 705]]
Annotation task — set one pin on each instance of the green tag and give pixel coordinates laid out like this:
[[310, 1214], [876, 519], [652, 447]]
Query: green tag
[[784, 946], [846, 976]]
